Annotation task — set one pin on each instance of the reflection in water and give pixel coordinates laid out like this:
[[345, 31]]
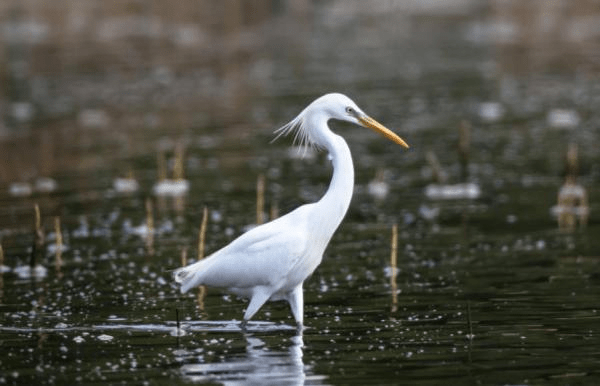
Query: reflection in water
[[260, 366]]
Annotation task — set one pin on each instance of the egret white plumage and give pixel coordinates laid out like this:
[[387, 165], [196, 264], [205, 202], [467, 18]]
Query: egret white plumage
[[272, 261]]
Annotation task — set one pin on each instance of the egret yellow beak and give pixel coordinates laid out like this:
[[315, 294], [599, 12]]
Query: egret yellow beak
[[369, 122]]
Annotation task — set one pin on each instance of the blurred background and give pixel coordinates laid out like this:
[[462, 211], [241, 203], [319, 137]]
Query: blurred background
[[96, 95], [120, 121], [121, 67]]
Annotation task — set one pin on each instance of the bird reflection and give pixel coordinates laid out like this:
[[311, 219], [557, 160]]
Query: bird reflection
[[260, 366]]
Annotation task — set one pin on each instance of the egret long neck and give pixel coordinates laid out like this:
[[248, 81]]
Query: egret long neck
[[336, 200]]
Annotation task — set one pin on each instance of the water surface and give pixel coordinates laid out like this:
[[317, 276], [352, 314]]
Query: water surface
[[488, 289]]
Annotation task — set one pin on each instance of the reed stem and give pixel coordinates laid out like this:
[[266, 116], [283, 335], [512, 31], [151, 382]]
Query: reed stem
[[260, 199], [393, 266], [202, 233], [59, 243]]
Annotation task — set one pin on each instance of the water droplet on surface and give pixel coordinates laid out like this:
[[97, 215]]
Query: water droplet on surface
[[105, 338]]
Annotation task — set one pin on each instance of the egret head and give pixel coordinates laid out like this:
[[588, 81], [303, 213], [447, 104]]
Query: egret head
[[336, 106], [311, 123]]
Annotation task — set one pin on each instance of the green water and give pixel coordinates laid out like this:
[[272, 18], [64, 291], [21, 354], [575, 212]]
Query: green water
[[480, 299], [488, 290]]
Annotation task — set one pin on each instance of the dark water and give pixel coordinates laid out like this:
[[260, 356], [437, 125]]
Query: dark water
[[488, 289]]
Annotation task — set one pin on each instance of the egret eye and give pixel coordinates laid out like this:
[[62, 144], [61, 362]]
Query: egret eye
[[350, 110]]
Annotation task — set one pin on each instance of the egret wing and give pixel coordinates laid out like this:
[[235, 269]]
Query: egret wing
[[262, 256]]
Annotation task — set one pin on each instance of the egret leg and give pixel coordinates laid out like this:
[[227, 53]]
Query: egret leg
[[259, 298], [296, 300]]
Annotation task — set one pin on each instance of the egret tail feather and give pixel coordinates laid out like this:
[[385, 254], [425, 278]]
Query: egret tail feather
[[188, 277]]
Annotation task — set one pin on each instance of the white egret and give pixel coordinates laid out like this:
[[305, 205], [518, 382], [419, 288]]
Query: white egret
[[271, 261]]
